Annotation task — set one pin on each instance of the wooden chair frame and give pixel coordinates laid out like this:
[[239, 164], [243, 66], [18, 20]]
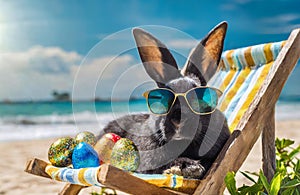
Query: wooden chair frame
[[259, 119]]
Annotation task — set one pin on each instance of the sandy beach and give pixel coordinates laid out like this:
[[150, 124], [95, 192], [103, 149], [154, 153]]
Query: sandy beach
[[14, 156]]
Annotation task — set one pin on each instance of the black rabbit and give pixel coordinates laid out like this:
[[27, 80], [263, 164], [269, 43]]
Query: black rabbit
[[180, 142]]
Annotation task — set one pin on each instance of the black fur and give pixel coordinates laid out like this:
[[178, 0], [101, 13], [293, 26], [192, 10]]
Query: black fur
[[181, 142]]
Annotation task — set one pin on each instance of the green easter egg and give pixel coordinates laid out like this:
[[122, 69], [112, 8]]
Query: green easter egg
[[125, 155], [60, 152], [87, 137]]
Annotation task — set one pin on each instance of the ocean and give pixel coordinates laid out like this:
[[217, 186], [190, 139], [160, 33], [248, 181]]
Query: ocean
[[38, 120]]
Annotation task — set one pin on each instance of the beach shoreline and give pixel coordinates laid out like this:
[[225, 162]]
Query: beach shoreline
[[15, 154]]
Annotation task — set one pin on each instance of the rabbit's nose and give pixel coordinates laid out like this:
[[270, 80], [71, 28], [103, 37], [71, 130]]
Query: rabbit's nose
[[176, 123]]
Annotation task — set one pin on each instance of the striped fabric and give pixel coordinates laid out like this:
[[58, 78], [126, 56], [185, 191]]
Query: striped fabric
[[84, 176], [243, 72], [170, 181], [88, 177]]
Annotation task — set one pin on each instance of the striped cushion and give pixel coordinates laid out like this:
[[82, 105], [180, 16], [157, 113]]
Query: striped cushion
[[84, 176], [88, 177], [242, 73]]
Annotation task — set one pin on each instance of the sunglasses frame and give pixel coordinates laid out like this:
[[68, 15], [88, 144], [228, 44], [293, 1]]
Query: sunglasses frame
[[218, 91]]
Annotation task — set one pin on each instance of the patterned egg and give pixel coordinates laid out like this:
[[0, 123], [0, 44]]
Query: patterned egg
[[87, 137], [125, 155], [84, 156], [105, 145], [60, 152]]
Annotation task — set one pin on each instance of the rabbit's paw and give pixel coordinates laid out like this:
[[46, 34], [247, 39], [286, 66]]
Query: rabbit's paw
[[195, 171], [187, 168], [173, 170]]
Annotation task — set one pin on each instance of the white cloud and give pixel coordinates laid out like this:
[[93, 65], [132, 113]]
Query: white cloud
[[35, 73], [242, 1], [107, 76], [233, 4], [282, 23], [182, 43], [120, 35], [228, 7], [51, 60], [282, 18], [279, 29]]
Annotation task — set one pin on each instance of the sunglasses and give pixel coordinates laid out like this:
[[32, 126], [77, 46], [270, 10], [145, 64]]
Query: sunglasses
[[201, 100]]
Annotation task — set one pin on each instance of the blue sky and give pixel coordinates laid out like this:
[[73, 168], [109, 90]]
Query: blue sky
[[42, 43]]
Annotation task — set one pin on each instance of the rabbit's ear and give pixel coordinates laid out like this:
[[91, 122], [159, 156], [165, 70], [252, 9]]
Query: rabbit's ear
[[204, 59], [157, 59]]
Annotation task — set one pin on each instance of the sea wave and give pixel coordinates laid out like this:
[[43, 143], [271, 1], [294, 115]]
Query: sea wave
[[28, 127], [23, 127], [76, 118], [38, 127], [287, 111]]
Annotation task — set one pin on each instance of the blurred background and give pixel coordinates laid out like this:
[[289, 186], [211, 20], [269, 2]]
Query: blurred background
[[45, 45]]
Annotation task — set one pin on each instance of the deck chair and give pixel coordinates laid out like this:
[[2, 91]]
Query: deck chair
[[252, 79]]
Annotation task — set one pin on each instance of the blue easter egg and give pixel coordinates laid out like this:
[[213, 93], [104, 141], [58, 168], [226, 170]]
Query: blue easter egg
[[84, 155]]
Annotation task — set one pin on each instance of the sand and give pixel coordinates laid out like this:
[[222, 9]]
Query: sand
[[14, 155]]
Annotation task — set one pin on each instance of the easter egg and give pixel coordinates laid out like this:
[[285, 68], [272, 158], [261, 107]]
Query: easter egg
[[125, 155], [87, 137], [104, 146], [60, 152], [112, 136], [84, 155]]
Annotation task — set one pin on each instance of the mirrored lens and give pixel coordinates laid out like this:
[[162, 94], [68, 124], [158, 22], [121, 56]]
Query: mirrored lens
[[160, 101], [202, 100]]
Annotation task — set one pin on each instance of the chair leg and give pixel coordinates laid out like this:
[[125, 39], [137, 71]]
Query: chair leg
[[268, 146], [71, 189]]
